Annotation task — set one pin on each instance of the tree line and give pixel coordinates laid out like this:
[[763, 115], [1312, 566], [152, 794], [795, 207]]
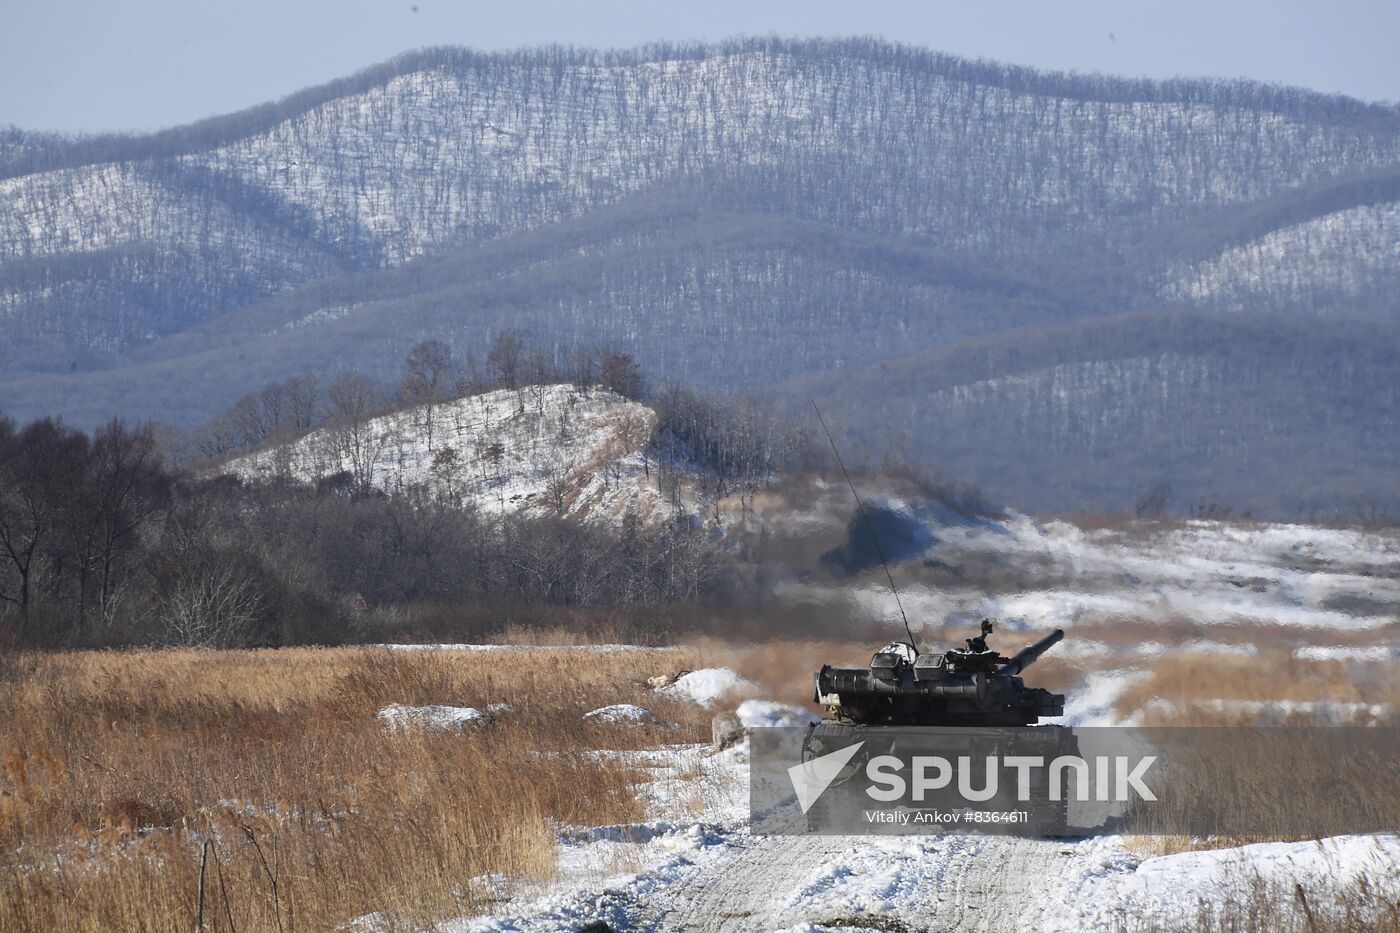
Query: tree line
[[102, 544], [432, 373], [110, 539]]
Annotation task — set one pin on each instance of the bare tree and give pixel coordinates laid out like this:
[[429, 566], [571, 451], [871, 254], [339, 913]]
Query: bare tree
[[126, 489], [216, 439], [249, 424], [446, 470], [351, 405], [583, 368], [428, 378], [41, 467], [218, 607], [505, 358], [302, 395], [621, 374], [559, 482]]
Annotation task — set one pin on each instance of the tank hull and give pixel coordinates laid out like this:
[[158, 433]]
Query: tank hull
[[975, 744]]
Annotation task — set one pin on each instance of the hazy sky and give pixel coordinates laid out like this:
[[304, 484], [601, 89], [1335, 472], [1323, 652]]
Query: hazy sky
[[88, 65]]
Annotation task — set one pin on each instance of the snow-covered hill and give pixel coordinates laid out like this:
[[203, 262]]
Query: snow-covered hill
[[1226, 581], [110, 246], [1299, 603], [1271, 414], [441, 148], [742, 214], [1332, 262], [548, 449]]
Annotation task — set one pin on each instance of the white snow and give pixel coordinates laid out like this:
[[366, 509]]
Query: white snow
[[314, 319], [422, 159], [1225, 574], [1174, 890], [696, 828], [708, 686], [1347, 653], [1207, 573], [621, 714], [398, 717], [1278, 712], [1326, 260], [1148, 650], [590, 885], [548, 449]]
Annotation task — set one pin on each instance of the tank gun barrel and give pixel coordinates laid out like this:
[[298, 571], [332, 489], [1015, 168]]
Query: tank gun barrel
[[1028, 655]]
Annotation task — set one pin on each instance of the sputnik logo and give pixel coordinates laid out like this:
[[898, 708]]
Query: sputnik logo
[[811, 778]]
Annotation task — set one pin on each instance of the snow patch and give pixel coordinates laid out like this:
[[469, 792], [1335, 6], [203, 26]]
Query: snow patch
[[1230, 575], [620, 714], [708, 686], [1347, 653], [398, 717], [1175, 890], [1278, 712]]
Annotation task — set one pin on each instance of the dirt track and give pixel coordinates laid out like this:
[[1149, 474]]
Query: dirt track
[[955, 883]]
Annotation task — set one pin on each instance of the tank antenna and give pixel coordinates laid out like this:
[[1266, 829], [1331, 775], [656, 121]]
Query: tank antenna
[[860, 507]]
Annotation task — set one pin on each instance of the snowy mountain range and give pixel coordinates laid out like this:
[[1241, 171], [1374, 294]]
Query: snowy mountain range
[[783, 217]]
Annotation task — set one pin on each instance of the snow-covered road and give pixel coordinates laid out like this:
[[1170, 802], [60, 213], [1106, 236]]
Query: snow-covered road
[[704, 871], [938, 883]]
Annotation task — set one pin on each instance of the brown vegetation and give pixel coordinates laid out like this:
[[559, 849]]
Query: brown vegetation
[[124, 773], [128, 777], [1275, 683]]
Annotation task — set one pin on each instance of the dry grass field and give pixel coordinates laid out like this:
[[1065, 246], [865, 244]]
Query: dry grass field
[[1275, 688], [259, 790], [134, 781]]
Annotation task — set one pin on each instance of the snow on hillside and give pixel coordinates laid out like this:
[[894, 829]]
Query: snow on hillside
[[453, 148], [1339, 256], [419, 160], [547, 449], [1222, 574], [1134, 595]]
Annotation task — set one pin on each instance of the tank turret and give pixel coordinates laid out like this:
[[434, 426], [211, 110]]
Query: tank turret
[[971, 686]]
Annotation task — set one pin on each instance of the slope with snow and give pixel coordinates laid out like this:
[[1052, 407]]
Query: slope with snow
[[1228, 576], [439, 151], [872, 198], [548, 449], [1329, 263], [1134, 596]]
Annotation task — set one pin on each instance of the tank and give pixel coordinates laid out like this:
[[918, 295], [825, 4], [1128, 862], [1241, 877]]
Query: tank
[[963, 701], [972, 686]]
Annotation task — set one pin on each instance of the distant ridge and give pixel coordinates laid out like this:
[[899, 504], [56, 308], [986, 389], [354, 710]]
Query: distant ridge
[[736, 216], [23, 152], [1272, 416]]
